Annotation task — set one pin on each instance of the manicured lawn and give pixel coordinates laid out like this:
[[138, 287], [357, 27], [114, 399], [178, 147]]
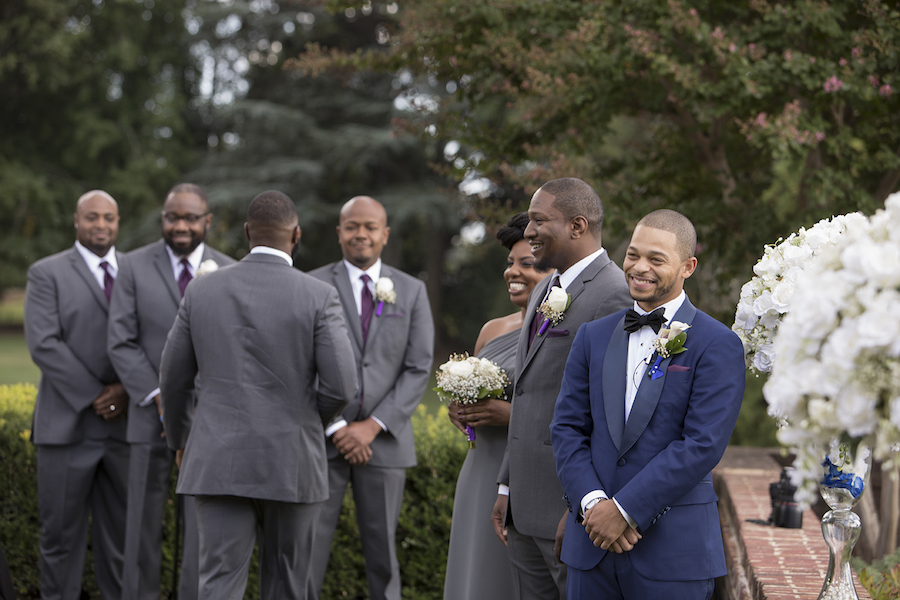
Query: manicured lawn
[[15, 363]]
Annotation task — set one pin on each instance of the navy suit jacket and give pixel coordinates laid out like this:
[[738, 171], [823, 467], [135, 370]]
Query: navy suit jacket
[[658, 465]]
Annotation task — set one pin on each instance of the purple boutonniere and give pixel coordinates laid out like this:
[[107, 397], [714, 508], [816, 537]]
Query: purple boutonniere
[[384, 292]]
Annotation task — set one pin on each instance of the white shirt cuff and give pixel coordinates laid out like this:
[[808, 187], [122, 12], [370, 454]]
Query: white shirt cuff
[[631, 522], [380, 424], [148, 400], [592, 498], [334, 427], [502, 490]]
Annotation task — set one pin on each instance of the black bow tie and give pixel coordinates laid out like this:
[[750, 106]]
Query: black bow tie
[[634, 320]]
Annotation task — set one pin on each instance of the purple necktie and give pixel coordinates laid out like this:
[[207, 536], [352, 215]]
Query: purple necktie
[[368, 306], [538, 318], [107, 280], [185, 277]]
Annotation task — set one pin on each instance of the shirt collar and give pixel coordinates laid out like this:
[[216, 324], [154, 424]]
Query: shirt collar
[[93, 261], [272, 252], [194, 259], [669, 308], [575, 270], [374, 272]]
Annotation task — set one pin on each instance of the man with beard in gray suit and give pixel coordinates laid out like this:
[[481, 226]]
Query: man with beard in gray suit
[[371, 446], [566, 216], [148, 292], [78, 430], [266, 349]]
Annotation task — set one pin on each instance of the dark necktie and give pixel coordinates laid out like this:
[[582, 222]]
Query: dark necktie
[[538, 319], [185, 277], [368, 306], [634, 320], [107, 280]]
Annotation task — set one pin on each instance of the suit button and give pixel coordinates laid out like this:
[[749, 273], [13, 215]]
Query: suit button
[[519, 391], [622, 462]]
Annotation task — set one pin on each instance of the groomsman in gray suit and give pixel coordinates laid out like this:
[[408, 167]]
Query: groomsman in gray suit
[[371, 446], [78, 430], [148, 292], [529, 515], [255, 338]]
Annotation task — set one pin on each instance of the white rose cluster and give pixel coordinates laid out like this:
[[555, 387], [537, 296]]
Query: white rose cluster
[[466, 379], [836, 356], [554, 307], [384, 290], [769, 295]]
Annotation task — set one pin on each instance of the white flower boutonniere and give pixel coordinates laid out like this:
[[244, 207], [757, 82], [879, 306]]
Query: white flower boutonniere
[[384, 292], [553, 309], [207, 266], [669, 343]]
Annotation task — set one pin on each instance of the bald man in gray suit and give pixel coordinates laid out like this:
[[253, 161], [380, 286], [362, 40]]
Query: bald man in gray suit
[[79, 432], [269, 352], [371, 447], [142, 311]]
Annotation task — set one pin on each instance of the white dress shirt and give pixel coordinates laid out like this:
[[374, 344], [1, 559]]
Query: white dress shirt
[[273, 252], [93, 263]]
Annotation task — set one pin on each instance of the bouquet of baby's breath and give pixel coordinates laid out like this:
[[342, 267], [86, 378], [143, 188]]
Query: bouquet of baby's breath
[[467, 379]]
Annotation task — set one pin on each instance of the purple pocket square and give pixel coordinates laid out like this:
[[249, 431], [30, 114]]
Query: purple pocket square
[[557, 333], [678, 369]]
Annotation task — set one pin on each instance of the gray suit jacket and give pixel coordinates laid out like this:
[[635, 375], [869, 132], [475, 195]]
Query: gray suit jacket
[[256, 335], [144, 304], [394, 365], [528, 468], [65, 328]]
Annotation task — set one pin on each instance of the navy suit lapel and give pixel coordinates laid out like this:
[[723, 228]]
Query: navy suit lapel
[[614, 382], [341, 279], [85, 273], [164, 267], [650, 390]]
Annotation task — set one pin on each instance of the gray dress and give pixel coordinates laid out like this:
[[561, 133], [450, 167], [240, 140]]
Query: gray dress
[[477, 563]]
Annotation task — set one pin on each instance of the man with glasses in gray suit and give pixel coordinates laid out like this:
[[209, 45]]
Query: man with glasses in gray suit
[[78, 431], [266, 349], [148, 292]]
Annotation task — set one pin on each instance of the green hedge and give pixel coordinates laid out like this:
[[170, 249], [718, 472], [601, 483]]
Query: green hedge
[[422, 537]]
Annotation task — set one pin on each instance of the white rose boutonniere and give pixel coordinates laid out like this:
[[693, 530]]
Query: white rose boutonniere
[[384, 292], [554, 308], [669, 343], [207, 266]]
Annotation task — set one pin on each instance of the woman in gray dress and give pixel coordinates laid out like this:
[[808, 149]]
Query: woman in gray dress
[[477, 563]]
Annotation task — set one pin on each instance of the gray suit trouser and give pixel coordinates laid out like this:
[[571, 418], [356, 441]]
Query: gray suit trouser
[[537, 575], [378, 495], [148, 492], [75, 482], [229, 526]]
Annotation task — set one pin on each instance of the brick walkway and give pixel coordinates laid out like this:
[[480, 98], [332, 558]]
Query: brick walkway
[[764, 562]]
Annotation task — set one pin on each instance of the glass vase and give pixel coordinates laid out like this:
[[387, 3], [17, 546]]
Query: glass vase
[[845, 476]]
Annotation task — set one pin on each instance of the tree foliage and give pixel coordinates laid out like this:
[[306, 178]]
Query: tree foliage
[[752, 117], [92, 98]]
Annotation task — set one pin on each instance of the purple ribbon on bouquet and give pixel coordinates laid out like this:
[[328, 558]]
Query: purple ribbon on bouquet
[[470, 435]]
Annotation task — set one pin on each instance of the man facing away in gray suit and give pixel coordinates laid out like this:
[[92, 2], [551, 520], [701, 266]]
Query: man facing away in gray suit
[[78, 430], [371, 446], [566, 216], [148, 292], [253, 339]]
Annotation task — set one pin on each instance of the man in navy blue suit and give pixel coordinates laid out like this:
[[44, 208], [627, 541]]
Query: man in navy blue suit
[[639, 426]]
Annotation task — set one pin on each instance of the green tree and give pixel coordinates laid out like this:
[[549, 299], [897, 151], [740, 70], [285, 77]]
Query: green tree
[[92, 97]]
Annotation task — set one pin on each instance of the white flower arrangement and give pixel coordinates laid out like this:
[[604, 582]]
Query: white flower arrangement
[[769, 295], [836, 371], [207, 266], [467, 379], [671, 341]]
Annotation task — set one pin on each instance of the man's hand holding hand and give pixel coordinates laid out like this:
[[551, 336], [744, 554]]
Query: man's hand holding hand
[[605, 525], [353, 440], [112, 403]]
